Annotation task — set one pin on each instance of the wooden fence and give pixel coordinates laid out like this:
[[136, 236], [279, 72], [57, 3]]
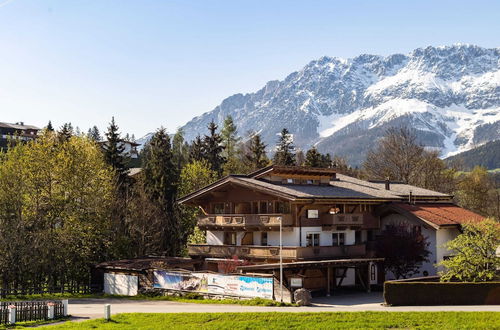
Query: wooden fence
[[31, 310]]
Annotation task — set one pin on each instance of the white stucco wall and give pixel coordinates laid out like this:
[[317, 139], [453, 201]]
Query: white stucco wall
[[444, 235], [215, 237], [429, 233], [290, 238]]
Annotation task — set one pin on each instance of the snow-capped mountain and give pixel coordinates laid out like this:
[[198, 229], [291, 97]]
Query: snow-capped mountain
[[450, 95]]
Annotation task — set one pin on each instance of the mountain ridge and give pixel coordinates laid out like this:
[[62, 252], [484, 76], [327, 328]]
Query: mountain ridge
[[449, 94]]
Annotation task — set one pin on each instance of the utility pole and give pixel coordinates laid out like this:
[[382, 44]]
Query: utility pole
[[281, 257]]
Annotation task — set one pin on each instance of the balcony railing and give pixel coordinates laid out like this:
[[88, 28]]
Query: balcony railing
[[244, 220], [272, 252], [350, 219]]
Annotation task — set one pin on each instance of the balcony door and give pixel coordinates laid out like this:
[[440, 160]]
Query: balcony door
[[229, 238], [312, 239]]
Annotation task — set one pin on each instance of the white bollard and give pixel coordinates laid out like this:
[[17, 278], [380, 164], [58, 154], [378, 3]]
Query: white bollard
[[12, 314], [65, 307], [107, 312], [50, 311]]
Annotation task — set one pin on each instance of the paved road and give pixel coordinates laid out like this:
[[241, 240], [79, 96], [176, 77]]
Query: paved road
[[94, 308]]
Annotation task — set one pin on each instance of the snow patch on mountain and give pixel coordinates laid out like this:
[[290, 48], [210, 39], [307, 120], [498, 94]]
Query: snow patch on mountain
[[450, 95]]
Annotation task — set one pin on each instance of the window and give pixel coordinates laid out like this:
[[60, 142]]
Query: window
[[289, 180], [263, 239], [230, 238], [219, 208], [282, 207], [312, 214], [357, 236], [263, 207], [312, 239], [338, 239], [309, 182]]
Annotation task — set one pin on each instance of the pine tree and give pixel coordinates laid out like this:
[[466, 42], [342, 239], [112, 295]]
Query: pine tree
[[161, 177], [180, 149], [326, 161], [65, 132], [256, 153], [196, 150], [49, 127], [94, 134], [313, 158], [285, 150], [213, 148], [229, 137], [114, 154]]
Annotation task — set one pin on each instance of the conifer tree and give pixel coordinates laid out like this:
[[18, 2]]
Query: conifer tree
[[196, 150], [180, 149], [229, 137], [114, 154], [313, 158], [326, 160], [94, 134], [65, 132], [49, 127], [285, 150], [161, 177], [213, 148], [256, 153]]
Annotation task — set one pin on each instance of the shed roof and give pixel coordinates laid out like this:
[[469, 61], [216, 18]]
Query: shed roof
[[312, 264], [141, 264]]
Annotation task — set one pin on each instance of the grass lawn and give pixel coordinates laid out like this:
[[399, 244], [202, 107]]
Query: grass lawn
[[339, 320], [29, 324]]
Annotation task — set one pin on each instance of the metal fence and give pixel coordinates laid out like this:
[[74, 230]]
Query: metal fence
[[31, 310], [75, 289]]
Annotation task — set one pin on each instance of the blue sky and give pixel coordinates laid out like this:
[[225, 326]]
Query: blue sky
[[160, 63]]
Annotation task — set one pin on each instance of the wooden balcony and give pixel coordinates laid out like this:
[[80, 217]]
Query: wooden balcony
[[272, 252], [244, 221], [365, 220]]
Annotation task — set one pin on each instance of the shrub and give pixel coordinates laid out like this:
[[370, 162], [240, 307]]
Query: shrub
[[444, 293]]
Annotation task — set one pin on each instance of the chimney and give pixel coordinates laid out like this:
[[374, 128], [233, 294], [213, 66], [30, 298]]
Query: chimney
[[387, 184]]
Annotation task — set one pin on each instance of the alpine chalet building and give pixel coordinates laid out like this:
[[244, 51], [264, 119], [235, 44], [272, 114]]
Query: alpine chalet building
[[329, 224]]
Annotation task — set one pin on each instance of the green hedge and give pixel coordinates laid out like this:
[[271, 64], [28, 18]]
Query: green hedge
[[445, 293]]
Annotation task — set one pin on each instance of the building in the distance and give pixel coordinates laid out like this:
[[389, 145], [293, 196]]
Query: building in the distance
[[328, 223], [18, 131]]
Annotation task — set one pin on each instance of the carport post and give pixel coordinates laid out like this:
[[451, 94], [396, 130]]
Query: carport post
[[368, 289], [328, 277]]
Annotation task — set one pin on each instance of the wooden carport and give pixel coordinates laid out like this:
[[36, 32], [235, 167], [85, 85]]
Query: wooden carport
[[361, 267]]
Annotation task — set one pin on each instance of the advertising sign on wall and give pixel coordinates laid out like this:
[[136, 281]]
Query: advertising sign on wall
[[235, 285]]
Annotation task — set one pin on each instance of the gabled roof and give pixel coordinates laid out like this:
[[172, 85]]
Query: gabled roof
[[18, 126], [296, 170], [403, 189], [341, 187], [335, 190], [438, 214]]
